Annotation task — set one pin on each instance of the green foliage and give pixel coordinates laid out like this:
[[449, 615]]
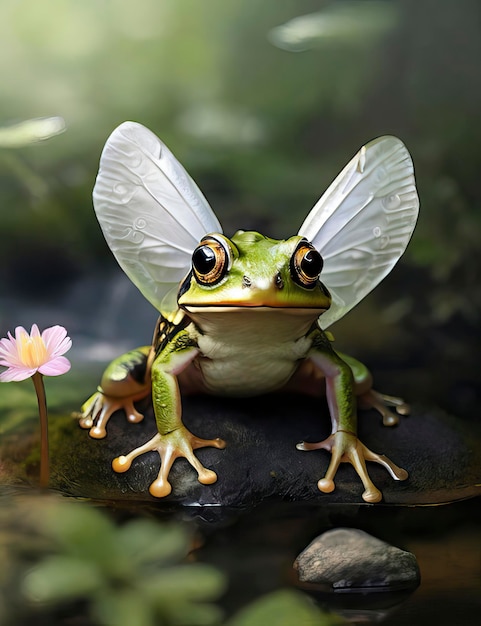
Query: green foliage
[[203, 75], [64, 559], [263, 103], [284, 608], [134, 573]]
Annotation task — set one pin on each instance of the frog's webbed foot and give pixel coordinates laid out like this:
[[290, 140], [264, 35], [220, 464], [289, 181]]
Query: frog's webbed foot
[[380, 402], [99, 408], [345, 447], [178, 443]]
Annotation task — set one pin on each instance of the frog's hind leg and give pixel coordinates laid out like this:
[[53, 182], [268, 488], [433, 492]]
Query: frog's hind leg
[[372, 399], [125, 381], [368, 398]]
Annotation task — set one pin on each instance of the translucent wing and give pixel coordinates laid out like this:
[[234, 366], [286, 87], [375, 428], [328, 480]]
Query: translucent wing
[[363, 222], [151, 212]]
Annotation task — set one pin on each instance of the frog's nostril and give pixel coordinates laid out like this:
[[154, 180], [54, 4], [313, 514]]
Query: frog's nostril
[[246, 281], [278, 281]]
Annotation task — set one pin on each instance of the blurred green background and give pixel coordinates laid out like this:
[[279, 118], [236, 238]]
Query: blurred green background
[[264, 103]]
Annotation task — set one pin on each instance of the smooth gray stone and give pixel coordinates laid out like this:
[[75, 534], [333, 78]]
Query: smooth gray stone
[[346, 559]]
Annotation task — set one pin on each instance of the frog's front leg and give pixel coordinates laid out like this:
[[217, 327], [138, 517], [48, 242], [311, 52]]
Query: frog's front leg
[[125, 381], [173, 439], [343, 442]]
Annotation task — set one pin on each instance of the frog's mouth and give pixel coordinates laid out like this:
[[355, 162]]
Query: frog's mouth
[[235, 307], [231, 323]]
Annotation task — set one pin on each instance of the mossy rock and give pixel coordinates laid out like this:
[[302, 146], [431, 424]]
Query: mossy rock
[[441, 453]]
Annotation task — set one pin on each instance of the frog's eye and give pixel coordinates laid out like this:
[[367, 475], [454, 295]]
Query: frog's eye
[[306, 265], [210, 262]]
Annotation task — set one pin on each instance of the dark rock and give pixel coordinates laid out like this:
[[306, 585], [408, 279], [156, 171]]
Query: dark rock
[[260, 462], [346, 559]]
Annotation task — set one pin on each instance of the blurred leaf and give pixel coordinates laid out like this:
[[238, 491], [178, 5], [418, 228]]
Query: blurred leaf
[[284, 608], [124, 607], [221, 125], [187, 614], [80, 530], [30, 131], [59, 578], [190, 582], [121, 573], [347, 23], [145, 541]]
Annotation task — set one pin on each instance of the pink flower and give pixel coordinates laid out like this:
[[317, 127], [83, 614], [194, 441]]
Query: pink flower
[[25, 354]]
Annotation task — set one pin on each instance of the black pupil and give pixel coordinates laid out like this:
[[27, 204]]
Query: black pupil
[[311, 264], [204, 259]]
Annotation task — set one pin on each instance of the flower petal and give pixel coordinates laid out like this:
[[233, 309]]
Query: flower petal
[[35, 332], [54, 335], [27, 353], [16, 374], [19, 330], [9, 352], [8, 346], [56, 340], [57, 366], [9, 363]]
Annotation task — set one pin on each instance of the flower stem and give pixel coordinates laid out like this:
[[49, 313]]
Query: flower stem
[[42, 411]]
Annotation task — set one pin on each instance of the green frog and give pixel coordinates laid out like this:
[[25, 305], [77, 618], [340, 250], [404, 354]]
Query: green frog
[[246, 315]]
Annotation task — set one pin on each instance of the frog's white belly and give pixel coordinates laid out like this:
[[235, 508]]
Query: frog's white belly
[[246, 369], [250, 352]]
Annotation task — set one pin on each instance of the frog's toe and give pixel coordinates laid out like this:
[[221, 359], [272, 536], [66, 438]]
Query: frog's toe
[[95, 413], [133, 416], [89, 410], [108, 406], [380, 402], [326, 485], [208, 443], [358, 457], [160, 488], [98, 432], [372, 495], [306, 445], [398, 473], [204, 475], [84, 422], [207, 476], [121, 464], [186, 447]]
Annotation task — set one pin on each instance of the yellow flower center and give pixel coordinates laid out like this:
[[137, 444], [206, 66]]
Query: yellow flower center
[[32, 351]]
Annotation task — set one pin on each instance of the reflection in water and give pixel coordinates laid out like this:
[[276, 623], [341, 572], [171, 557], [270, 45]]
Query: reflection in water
[[258, 551]]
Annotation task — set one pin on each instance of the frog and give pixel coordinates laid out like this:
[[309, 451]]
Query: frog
[[247, 315]]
